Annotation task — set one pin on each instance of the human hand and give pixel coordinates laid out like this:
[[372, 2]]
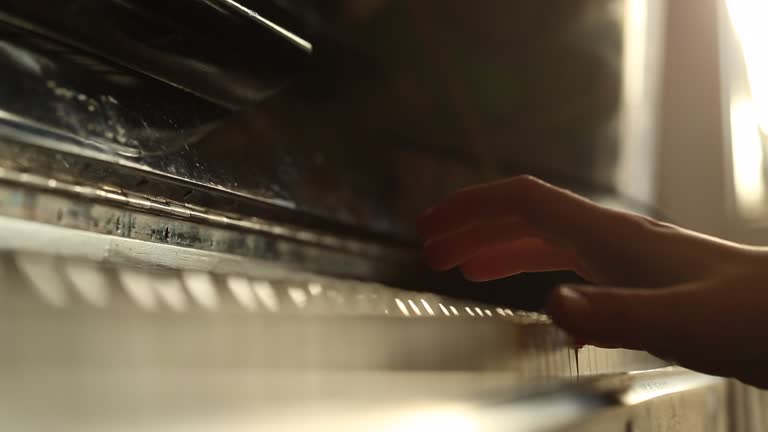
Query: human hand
[[680, 295]]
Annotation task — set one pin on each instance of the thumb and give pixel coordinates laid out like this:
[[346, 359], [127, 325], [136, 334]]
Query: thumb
[[648, 319]]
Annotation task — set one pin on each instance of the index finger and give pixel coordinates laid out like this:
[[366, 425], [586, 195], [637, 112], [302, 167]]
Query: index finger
[[549, 209]]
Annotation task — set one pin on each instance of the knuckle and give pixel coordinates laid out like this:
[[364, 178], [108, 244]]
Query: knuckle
[[526, 184], [527, 180], [634, 223]]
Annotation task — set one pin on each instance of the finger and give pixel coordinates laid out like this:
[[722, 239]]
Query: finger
[[457, 247], [545, 207], [667, 320], [524, 256]]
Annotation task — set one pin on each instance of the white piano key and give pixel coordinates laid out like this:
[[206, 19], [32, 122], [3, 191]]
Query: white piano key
[[170, 291], [414, 307], [138, 285], [402, 307], [90, 281], [427, 307], [241, 290], [445, 310], [298, 296], [315, 289], [336, 298], [42, 271], [266, 295], [201, 288], [366, 300]]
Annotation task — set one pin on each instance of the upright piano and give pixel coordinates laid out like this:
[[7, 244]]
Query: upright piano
[[206, 214]]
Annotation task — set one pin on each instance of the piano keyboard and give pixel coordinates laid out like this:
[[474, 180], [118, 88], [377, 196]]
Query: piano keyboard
[[255, 315], [104, 338]]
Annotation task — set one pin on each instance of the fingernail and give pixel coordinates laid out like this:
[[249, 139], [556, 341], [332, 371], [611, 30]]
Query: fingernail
[[575, 303]]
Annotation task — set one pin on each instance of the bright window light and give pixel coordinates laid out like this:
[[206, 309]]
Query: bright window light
[[748, 157], [750, 22]]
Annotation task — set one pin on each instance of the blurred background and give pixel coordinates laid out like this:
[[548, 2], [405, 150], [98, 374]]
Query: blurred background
[[711, 141]]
